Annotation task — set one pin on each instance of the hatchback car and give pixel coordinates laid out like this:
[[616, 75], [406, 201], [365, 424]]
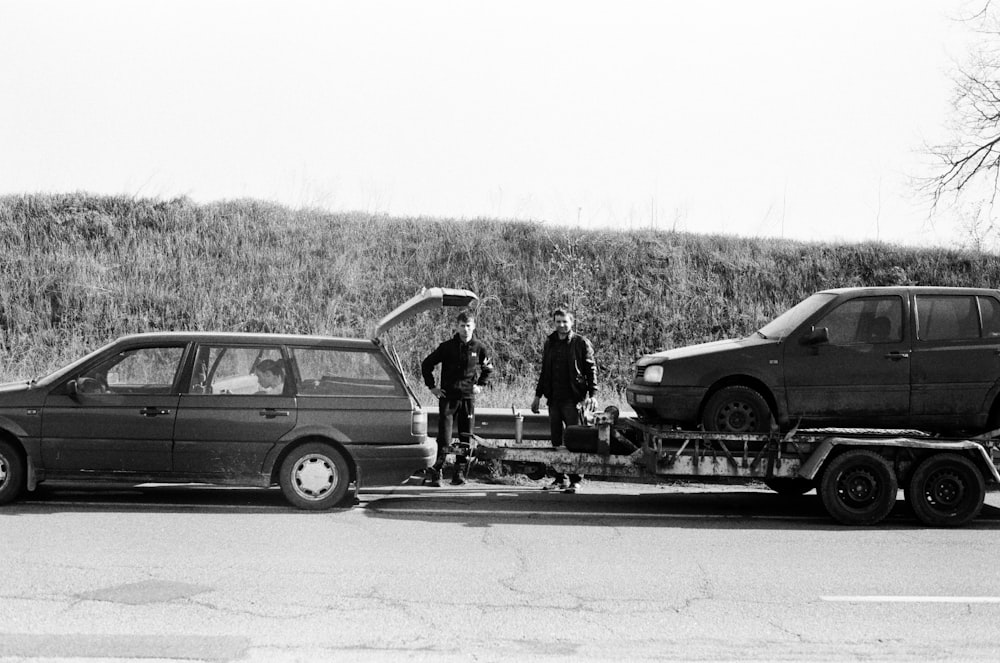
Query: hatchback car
[[891, 357], [310, 414]]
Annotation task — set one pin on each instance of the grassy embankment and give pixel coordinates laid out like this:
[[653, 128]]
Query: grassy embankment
[[77, 271]]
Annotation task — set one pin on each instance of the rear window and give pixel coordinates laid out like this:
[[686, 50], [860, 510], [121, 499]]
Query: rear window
[[947, 317], [339, 372], [990, 308]]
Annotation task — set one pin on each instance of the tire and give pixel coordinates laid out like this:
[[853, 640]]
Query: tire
[[13, 472], [946, 490], [314, 476], [789, 486], [858, 488], [736, 409]]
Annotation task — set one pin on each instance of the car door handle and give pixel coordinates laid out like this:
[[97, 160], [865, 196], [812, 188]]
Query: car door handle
[[896, 356], [153, 411], [271, 413]]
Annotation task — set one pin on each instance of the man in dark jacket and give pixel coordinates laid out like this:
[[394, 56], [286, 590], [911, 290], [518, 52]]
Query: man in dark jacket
[[466, 366], [568, 381]]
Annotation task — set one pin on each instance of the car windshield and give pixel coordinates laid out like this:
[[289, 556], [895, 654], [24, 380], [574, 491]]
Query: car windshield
[[788, 321]]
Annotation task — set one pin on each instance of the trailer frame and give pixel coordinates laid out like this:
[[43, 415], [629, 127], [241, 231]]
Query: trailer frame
[[856, 473]]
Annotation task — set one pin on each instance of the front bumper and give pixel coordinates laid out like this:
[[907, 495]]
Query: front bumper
[[680, 405]]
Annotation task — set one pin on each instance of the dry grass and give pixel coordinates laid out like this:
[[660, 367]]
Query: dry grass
[[78, 270]]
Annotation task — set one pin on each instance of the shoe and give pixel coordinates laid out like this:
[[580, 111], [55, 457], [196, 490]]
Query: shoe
[[572, 488], [458, 479], [558, 484], [433, 479]]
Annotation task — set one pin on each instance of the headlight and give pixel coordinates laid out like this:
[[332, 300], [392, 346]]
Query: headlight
[[653, 374]]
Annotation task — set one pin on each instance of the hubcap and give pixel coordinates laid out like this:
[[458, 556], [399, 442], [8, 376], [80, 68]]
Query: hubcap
[[3, 470], [314, 476]]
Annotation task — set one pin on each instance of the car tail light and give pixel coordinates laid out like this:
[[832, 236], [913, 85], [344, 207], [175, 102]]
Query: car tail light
[[418, 423]]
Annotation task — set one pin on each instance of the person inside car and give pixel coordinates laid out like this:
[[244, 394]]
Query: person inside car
[[271, 376]]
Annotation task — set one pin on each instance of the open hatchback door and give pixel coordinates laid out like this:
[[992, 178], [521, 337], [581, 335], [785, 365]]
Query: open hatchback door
[[425, 300]]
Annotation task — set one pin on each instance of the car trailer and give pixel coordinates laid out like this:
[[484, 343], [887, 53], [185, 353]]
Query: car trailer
[[856, 473]]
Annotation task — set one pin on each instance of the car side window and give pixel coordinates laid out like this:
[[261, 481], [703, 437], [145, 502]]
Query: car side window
[[865, 320], [342, 372], [238, 370], [947, 317], [990, 310], [138, 371]]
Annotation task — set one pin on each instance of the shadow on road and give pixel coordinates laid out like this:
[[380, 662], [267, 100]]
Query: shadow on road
[[49, 498], [697, 509], [481, 505]]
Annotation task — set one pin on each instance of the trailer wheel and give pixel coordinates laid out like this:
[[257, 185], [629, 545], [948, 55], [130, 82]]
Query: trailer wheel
[[858, 488], [946, 490], [789, 486], [737, 409], [13, 472]]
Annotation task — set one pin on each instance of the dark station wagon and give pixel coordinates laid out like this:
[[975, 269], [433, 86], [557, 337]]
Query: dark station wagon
[[189, 407], [923, 358]]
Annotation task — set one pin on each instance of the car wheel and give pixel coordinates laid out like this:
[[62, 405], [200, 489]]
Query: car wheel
[[946, 490], [314, 476], [858, 488], [13, 472], [789, 486], [737, 409]]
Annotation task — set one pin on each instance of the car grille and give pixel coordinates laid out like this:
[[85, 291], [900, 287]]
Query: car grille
[[639, 372]]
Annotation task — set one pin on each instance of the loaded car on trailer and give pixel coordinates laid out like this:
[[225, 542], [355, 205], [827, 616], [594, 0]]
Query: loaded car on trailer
[[904, 381], [183, 407], [894, 357]]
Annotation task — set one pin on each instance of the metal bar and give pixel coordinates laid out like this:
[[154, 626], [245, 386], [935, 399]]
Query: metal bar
[[729, 456]]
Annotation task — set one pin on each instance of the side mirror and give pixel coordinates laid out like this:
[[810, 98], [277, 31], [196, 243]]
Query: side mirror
[[816, 337], [72, 389]]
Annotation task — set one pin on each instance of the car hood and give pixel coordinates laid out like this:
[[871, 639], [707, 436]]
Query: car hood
[[426, 299], [714, 347], [13, 387]]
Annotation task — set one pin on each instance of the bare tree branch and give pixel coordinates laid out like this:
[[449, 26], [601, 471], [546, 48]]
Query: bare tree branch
[[972, 154]]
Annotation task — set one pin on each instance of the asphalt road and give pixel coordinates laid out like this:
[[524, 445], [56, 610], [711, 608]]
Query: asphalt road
[[488, 573]]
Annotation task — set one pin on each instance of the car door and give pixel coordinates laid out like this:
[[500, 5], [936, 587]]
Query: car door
[[861, 374], [956, 358], [227, 421], [117, 415]]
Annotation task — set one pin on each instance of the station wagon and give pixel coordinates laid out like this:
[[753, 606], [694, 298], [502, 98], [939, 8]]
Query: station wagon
[[182, 407]]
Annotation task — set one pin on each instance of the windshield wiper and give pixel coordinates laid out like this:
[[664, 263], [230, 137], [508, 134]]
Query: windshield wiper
[[762, 334]]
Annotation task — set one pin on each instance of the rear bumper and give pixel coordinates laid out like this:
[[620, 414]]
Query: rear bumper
[[392, 464]]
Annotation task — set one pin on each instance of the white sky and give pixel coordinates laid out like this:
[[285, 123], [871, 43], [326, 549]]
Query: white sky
[[783, 118]]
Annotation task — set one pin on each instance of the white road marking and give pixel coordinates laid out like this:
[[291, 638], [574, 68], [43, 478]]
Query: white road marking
[[912, 599]]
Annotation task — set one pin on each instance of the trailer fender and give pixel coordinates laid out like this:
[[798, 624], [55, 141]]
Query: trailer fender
[[811, 467]]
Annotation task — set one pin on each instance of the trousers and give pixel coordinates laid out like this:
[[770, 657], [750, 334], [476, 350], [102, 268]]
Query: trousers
[[562, 414], [454, 414]]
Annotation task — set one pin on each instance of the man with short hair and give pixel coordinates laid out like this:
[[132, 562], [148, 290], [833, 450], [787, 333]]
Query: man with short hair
[[466, 366], [568, 381], [270, 376]]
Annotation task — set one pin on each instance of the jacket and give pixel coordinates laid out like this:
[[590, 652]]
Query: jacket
[[460, 363], [582, 369]]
